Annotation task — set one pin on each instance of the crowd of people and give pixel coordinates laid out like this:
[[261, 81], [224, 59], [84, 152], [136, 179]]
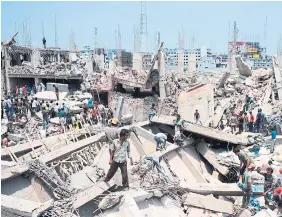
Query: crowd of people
[[19, 106]]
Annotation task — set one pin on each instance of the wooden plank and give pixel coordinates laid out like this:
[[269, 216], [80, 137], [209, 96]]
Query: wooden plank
[[209, 203], [203, 131]]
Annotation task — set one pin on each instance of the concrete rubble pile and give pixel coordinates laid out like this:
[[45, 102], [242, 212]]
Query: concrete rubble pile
[[127, 74], [97, 81], [55, 68]]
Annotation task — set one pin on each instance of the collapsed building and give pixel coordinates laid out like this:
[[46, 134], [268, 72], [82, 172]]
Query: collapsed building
[[62, 175]]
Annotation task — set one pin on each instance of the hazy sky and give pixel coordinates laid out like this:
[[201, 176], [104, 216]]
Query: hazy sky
[[207, 21]]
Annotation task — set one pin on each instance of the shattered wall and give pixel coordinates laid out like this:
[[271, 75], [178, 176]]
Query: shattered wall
[[200, 98]]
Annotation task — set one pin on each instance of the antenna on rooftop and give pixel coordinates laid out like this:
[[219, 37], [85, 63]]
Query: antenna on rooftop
[[233, 51], [265, 31], [136, 39], [119, 38], [143, 27], [56, 36], [42, 29], [95, 39]]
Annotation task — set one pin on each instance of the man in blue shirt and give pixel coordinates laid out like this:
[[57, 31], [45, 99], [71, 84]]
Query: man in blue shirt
[[273, 136]]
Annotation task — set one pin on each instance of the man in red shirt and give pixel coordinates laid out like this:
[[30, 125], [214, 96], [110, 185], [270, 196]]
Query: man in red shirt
[[251, 122], [24, 89]]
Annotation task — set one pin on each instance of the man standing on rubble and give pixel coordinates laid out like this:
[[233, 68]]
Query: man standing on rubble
[[258, 121], [178, 123], [245, 160], [56, 92], [118, 150], [251, 122], [268, 182], [233, 121], [197, 117], [273, 141], [247, 185]]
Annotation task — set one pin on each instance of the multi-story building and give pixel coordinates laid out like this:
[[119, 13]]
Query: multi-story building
[[253, 53], [203, 57], [123, 57]]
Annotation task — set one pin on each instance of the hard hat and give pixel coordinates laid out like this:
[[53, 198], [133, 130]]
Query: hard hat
[[115, 121]]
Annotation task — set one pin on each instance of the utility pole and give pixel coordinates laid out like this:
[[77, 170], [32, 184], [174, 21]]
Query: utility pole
[[233, 52], [143, 27], [95, 40], [56, 36]]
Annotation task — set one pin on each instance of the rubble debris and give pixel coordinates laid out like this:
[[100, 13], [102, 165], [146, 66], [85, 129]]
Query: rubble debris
[[110, 200], [242, 67]]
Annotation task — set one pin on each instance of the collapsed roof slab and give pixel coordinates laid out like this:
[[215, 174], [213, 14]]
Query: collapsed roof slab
[[209, 202], [220, 189], [13, 206], [64, 151], [204, 131], [27, 147]]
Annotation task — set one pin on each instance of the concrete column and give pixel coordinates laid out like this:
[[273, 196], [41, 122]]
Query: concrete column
[[7, 65], [161, 64], [119, 107], [35, 58], [59, 57]]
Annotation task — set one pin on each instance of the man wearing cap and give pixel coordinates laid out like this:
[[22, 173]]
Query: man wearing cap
[[118, 150], [245, 160]]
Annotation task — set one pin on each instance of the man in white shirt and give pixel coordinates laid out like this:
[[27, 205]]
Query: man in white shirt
[[119, 151], [160, 138], [34, 105]]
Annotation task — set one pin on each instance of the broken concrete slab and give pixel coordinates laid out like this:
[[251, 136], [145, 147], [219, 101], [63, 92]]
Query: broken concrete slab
[[206, 152], [90, 193], [220, 189], [243, 67], [13, 171], [209, 203], [18, 207], [60, 153], [199, 97], [204, 131]]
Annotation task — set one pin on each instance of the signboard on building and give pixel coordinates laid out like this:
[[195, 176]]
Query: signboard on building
[[239, 47], [252, 47]]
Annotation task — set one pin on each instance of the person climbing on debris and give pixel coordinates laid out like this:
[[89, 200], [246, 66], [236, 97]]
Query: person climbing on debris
[[247, 186], [268, 183], [273, 140], [245, 161], [118, 150], [56, 92], [197, 117], [179, 137], [178, 123], [160, 138], [153, 112]]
